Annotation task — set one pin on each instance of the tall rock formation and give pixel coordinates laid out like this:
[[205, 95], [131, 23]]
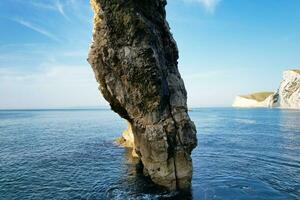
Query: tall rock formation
[[134, 58], [288, 95]]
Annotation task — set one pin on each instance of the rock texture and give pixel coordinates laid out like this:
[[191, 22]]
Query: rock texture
[[287, 96], [134, 58], [127, 140]]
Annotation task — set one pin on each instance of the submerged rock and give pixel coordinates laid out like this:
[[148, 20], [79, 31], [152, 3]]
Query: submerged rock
[[134, 58]]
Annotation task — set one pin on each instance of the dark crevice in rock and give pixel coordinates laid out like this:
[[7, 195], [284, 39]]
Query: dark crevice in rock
[[134, 58]]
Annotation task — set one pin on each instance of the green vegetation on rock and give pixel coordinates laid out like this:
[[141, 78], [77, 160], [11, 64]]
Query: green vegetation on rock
[[259, 96], [296, 70]]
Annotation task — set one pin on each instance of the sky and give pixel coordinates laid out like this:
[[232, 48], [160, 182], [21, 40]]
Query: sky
[[226, 48]]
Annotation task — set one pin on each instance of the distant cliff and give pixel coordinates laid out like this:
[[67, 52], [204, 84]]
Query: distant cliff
[[287, 96], [289, 91], [260, 99]]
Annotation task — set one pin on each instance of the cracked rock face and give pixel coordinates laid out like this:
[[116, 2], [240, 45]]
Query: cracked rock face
[[134, 58], [289, 90]]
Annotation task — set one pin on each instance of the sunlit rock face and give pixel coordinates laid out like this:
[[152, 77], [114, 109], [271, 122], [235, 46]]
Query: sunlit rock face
[[127, 140], [134, 57], [256, 100], [287, 96], [289, 90]]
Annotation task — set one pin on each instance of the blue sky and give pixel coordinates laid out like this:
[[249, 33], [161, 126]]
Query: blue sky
[[227, 47]]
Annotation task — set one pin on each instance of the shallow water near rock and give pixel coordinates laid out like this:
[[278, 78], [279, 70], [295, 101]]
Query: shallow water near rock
[[70, 154]]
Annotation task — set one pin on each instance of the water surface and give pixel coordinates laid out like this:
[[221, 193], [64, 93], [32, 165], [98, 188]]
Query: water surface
[[70, 154]]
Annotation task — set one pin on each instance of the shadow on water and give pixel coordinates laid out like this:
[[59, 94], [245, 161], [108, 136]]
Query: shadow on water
[[134, 185]]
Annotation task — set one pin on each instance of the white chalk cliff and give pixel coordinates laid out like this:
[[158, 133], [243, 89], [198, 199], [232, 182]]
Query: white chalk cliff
[[261, 99], [287, 96]]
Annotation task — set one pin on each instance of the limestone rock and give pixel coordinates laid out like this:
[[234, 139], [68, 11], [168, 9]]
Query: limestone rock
[[127, 140], [288, 95], [261, 99], [134, 58]]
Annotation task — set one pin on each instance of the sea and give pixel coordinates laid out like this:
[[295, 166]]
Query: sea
[[242, 154]]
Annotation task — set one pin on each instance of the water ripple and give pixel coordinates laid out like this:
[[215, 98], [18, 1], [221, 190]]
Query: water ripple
[[242, 154]]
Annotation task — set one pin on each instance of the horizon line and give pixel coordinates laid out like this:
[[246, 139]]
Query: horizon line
[[92, 108]]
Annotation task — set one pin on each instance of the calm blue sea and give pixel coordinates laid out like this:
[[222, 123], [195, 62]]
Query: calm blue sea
[[70, 154]]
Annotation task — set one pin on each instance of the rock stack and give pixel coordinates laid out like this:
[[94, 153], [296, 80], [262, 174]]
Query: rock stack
[[134, 58]]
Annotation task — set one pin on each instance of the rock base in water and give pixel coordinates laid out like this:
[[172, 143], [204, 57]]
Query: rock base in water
[[134, 58], [127, 140]]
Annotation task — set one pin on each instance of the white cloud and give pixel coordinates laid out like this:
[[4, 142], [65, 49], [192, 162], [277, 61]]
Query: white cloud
[[206, 87], [209, 5], [206, 75], [55, 6], [60, 9], [36, 29], [52, 86]]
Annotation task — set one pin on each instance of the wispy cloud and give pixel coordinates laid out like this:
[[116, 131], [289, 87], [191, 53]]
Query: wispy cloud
[[60, 8], [49, 86], [50, 74], [209, 5], [205, 75], [36, 28], [56, 6]]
